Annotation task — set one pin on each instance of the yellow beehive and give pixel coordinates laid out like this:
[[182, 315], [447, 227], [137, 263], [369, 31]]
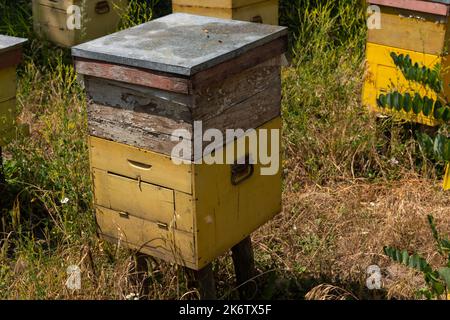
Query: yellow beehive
[[415, 28], [10, 57], [261, 11], [140, 99], [189, 214], [447, 178], [70, 22]]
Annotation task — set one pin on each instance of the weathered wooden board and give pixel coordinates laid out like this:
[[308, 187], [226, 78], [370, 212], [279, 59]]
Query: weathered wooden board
[[404, 29], [137, 106], [135, 136], [132, 75], [143, 119], [147, 118], [212, 100], [122, 127], [141, 164], [240, 63], [251, 113], [147, 237], [205, 103], [126, 95]]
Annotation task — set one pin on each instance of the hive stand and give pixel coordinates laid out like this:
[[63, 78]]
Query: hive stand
[[258, 11], [203, 280], [54, 19], [416, 28], [146, 83]]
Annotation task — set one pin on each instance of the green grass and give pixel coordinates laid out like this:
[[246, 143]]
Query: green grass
[[329, 138]]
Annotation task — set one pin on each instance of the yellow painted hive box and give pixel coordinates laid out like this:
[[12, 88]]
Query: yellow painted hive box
[[184, 147], [403, 55], [71, 22], [260, 11], [10, 57]]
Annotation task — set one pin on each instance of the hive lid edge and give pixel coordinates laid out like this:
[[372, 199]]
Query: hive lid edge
[[101, 49], [8, 43], [136, 63], [78, 52], [437, 7]]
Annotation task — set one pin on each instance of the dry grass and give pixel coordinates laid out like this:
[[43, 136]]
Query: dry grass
[[336, 232], [344, 197]]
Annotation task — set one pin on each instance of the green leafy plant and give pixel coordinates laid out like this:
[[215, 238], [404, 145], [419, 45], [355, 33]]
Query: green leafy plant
[[430, 78], [437, 147], [437, 280], [420, 74]]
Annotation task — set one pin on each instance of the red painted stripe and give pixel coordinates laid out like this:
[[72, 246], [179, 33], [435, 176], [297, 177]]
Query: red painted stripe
[[415, 5]]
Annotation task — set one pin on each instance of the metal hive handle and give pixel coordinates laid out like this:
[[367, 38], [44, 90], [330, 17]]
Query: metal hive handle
[[242, 172]]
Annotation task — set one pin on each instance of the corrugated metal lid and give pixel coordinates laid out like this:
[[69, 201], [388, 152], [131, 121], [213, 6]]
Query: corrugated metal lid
[[9, 43], [179, 43]]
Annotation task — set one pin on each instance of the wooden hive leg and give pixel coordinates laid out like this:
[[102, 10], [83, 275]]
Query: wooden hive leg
[[244, 266], [139, 274], [204, 281]]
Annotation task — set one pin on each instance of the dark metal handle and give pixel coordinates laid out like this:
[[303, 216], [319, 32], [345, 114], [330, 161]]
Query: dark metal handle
[[241, 172], [102, 7], [257, 19]]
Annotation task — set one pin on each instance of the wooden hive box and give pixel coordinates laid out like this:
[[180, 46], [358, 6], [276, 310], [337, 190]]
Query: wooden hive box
[[97, 18], [262, 11], [418, 29], [10, 57], [175, 73]]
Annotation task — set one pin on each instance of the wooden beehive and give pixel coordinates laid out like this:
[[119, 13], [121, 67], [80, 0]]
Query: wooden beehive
[[10, 57], [418, 29], [97, 18], [262, 11], [146, 82]]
